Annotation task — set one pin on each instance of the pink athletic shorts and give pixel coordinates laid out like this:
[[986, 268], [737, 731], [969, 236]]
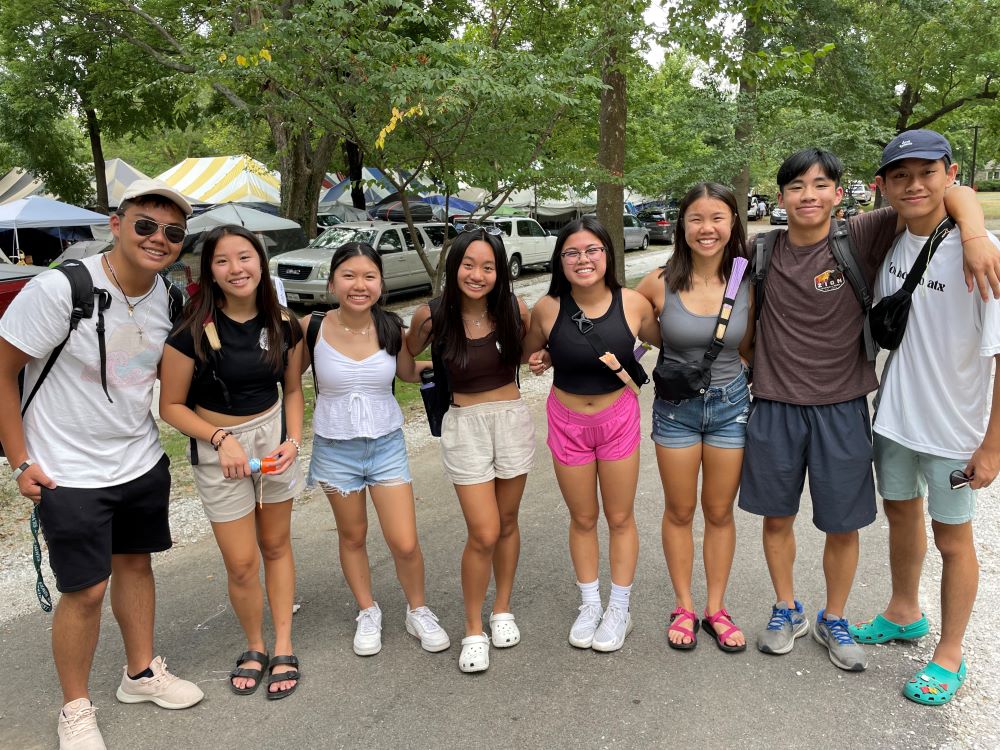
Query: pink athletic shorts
[[609, 435]]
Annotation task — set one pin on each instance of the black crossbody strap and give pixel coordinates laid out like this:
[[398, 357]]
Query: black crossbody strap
[[926, 253]]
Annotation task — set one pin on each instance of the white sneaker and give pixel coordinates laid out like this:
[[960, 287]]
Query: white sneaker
[[164, 689], [423, 624], [615, 625], [78, 727], [581, 634], [368, 636]]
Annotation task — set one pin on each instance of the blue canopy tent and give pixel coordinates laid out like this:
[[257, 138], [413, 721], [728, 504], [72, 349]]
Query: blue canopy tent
[[455, 205], [35, 212]]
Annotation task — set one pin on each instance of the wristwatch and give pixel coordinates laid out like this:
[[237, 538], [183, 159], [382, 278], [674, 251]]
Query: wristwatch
[[22, 468]]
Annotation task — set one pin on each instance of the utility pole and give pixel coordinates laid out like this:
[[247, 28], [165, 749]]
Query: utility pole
[[975, 144]]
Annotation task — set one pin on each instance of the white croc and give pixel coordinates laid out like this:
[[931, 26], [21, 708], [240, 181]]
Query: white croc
[[475, 656], [503, 630]]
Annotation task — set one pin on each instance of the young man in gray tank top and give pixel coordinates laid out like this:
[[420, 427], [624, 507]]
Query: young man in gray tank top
[[811, 381]]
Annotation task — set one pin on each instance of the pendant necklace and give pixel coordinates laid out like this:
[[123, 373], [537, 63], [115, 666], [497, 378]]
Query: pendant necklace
[[131, 307], [477, 322], [355, 331]]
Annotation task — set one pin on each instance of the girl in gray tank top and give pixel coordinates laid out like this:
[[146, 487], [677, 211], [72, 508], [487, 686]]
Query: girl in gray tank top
[[705, 434]]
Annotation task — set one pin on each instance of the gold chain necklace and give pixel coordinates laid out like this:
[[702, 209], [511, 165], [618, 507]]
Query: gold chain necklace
[[355, 331], [477, 322], [131, 307]]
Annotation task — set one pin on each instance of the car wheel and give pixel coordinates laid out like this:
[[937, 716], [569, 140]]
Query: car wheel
[[515, 266], [670, 238], [645, 243]]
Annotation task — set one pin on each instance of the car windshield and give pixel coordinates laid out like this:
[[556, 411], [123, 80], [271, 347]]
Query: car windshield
[[341, 235]]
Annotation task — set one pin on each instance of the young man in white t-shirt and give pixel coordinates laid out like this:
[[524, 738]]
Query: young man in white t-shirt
[[87, 451], [932, 427]]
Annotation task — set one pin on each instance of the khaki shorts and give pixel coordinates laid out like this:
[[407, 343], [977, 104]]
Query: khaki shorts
[[230, 499], [480, 443]]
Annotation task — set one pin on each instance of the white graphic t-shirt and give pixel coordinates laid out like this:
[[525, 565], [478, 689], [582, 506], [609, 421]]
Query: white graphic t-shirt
[[935, 390], [71, 430]]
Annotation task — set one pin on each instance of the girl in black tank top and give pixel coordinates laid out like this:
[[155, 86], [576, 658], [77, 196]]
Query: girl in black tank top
[[487, 437], [594, 416]]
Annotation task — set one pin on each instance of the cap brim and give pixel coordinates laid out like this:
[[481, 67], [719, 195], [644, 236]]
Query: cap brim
[[929, 155]]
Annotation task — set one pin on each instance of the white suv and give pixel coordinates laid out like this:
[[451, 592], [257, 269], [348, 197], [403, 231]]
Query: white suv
[[305, 273]]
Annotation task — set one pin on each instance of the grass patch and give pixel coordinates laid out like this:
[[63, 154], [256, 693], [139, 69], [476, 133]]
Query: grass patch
[[991, 205]]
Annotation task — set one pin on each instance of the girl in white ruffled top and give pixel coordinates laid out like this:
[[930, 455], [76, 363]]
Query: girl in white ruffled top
[[358, 441]]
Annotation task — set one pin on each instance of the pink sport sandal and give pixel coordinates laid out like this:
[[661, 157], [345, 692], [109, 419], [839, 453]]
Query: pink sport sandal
[[722, 616], [683, 614]]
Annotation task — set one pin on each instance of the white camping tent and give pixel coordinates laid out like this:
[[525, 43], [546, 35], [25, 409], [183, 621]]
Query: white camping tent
[[244, 216], [35, 212]]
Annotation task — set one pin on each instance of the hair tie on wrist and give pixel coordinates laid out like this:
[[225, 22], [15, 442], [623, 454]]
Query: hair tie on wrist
[[977, 237]]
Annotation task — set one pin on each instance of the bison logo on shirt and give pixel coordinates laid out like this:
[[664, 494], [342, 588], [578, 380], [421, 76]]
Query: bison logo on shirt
[[829, 281]]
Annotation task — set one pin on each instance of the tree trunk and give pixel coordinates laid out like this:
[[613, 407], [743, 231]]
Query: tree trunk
[[611, 156], [97, 153], [355, 173], [303, 166], [746, 119]]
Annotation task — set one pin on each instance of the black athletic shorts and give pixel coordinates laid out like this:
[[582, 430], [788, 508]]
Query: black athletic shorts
[[85, 527], [833, 442]]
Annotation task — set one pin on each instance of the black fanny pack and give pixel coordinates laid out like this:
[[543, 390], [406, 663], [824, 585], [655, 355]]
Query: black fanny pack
[[678, 381], [888, 318]]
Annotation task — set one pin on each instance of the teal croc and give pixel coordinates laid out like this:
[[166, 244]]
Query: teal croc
[[881, 630], [934, 685]]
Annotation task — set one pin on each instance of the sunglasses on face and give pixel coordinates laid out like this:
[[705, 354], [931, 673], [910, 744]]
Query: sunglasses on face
[[573, 256], [959, 479], [491, 229], [174, 233]]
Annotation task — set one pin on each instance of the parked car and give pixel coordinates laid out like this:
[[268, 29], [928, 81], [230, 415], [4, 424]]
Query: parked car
[[849, 205], [637, 235], [306, 272], [661, 223], [527, 244], [859, 191], [779, 215], [13, 279]]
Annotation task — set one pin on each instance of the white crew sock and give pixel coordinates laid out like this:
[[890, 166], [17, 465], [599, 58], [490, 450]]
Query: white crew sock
[[620, 596], [590, 592]]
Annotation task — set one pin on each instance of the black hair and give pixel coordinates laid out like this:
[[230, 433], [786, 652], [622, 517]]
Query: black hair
[[388, 325], [559, 285], [802, 161], [678, 269], [447, 326], [209, 297]]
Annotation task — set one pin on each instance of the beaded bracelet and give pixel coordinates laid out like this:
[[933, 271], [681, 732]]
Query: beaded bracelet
[[218, 445], [293, 441]]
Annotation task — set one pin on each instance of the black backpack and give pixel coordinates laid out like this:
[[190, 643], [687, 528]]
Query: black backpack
[[846, 255], [85, 298]]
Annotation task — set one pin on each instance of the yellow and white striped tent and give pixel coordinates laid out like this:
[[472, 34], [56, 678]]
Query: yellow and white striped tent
[[225, 179]]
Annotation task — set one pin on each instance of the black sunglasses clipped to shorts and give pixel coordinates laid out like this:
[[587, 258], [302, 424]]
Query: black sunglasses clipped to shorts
[[959, 479]]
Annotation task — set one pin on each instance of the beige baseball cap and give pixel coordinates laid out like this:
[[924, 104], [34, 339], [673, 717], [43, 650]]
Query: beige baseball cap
[[140, 188]]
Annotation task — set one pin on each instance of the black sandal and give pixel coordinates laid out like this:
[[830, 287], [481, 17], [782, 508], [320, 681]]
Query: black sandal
[[292, 674], [252, 674]]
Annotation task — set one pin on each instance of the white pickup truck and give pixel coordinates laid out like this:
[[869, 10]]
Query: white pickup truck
[[525, 241]]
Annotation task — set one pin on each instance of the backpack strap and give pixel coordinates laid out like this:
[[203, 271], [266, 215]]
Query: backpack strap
[[175, 300], [846, 255], [82, 293], [763, 250], [312, 336]]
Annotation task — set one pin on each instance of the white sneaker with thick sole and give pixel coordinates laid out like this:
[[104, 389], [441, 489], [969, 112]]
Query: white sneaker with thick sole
[[475, 656], [368, 636], [581, 635], [615, 625], [77, 728], [503, 630], [423, 624], [164, 689]]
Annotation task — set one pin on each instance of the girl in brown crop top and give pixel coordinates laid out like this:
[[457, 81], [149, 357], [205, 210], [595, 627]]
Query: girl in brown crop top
[[487, 438], [593, 419]]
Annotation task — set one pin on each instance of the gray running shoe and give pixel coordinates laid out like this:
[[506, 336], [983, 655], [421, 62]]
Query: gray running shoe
[[786, 624], [836, 636]]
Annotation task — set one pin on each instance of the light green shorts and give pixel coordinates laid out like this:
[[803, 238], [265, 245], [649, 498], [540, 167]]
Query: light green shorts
[[903, 474]]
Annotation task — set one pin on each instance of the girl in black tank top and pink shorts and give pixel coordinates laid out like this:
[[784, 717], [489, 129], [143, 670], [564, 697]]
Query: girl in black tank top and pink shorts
[[487, 436], [593, 417]]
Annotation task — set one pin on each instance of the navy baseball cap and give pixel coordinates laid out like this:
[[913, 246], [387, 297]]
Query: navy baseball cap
[[915, 144]]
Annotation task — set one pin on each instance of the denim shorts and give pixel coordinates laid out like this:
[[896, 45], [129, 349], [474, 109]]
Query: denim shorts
[[718, 418], [904, 474], [347, 466]]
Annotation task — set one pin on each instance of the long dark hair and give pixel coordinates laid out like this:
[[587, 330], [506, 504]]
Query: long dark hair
[[559, 285], [447, 325], [209, 297], [388, 325], [678, 269]]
